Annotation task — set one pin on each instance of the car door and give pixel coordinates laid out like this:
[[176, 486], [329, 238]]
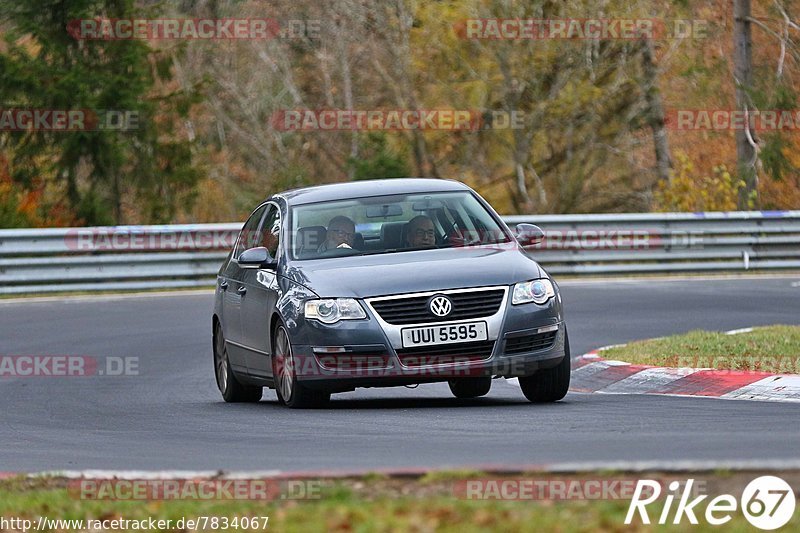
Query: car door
[[232, 283], [260, 299]]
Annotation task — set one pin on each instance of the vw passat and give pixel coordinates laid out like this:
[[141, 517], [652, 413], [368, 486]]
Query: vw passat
[[385, 283]]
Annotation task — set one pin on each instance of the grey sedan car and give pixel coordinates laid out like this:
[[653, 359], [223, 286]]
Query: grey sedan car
[[385, 283]]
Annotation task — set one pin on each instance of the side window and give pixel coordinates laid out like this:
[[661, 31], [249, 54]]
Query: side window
[[271, 231], [249, 237]]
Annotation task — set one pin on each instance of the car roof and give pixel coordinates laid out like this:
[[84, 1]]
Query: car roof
[[361, 189]]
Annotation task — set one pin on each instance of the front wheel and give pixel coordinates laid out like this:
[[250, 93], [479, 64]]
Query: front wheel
[[470, 387], [290, 391], [550, 384], [232, 390]]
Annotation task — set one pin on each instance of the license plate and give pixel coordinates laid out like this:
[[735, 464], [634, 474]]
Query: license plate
[[447, 334]]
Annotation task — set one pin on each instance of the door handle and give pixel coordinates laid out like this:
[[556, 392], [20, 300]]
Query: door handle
[[242, 290], [224, 285]]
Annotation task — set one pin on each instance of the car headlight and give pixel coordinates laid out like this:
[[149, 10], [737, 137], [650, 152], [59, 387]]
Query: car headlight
[[332, 310], [537, 291]]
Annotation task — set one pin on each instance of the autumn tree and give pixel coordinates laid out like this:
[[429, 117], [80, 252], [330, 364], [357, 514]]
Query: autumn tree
[[146, 164]]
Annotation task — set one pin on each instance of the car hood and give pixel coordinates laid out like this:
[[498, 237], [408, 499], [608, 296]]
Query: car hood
[[418, 271]]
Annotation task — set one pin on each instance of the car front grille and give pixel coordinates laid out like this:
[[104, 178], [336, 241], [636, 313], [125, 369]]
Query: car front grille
[[447, 353], [530, 343], [414, 309]]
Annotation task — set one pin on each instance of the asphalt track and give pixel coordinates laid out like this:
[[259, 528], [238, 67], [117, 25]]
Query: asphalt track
[[171, 416]]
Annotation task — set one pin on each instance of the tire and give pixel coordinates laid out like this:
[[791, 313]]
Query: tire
[[470, 387], [232, 390], [290, 391], [550, 384]]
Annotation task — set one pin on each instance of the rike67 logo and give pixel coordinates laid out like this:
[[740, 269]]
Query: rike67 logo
[[767, 502]]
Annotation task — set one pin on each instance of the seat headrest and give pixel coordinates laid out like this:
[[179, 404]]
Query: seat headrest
[[392, 234], [309, 239]]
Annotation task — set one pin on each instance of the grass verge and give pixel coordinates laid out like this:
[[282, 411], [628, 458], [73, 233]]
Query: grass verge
[[386, 503], [767, 349]]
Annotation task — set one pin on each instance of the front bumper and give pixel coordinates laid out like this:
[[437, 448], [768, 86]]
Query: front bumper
[[369, 353]]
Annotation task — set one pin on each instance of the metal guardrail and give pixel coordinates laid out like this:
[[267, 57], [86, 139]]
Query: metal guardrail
[[153, 257], [668, 242]]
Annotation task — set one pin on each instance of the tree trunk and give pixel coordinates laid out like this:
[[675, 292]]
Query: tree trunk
[[743, 78], [73, 194], [655, 112], [344, 59]]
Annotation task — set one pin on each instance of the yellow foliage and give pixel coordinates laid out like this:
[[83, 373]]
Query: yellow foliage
[[688, 192], [780, 194], [207, 206], [23, 207]]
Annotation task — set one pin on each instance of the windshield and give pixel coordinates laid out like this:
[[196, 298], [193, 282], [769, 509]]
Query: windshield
[[392, 224]]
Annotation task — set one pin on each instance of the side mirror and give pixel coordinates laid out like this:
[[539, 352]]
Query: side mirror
[[528, 234], [258, 257]]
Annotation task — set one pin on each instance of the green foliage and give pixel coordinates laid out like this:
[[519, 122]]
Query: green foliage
[[378, 160], [10, 214], [44, 67], [584, 147], [95, 209], [775, 147], [773, 158]]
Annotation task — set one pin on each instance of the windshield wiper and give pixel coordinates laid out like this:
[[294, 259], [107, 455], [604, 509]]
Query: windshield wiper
[[379, 252]]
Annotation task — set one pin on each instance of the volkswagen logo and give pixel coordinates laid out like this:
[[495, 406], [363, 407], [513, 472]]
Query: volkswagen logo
[[440, 305]]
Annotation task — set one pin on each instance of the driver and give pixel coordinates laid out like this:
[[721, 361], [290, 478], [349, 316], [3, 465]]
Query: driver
[[341, 233], [420, 233]]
